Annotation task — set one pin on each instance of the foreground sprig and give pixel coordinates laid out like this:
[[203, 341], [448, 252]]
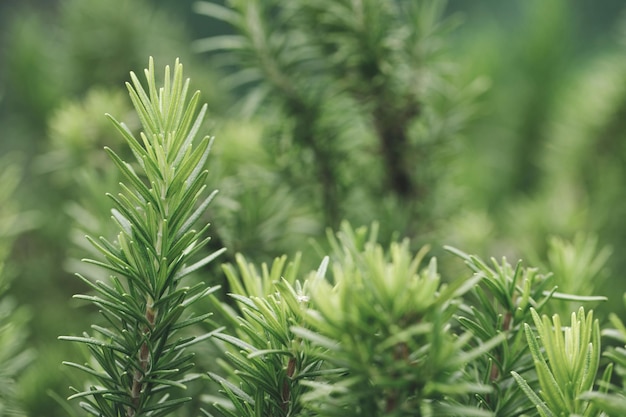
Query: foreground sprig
[[139, 357]]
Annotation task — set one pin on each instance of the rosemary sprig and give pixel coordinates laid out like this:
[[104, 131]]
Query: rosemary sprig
[[139, 361]]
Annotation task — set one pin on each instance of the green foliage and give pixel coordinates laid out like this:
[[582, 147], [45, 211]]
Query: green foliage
[[255, 205], [267, 364], [78, 133], [372, 339], [381, 338], [611, 398], [77, 168], [503, 136], [14, 356], [566, 366], [579, 268], [346, 81], [500, 305], [384, 322], [139, 357], [372, 332], [61, 64], [554, 134]]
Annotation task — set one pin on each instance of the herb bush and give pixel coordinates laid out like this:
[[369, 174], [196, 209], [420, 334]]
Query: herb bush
[[373, 331], [344, 112]]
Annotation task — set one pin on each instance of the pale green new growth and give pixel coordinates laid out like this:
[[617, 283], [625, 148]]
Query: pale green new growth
[[382, 319], [566, 366]]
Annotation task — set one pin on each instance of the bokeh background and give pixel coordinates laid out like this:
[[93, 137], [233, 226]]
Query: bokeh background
[[513, 118]]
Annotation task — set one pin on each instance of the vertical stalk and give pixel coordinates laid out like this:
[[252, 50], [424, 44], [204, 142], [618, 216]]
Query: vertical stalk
[[286, 389], [144, 360]]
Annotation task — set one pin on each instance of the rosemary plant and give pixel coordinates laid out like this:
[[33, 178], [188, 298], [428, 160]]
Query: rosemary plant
[[139, 359], [369, 333], [501, 305], [383, 320], [375, 331], [268, 51], [372, 332], [346, 77]]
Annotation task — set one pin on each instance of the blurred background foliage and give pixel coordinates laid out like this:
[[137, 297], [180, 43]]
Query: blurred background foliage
[[497, 127]]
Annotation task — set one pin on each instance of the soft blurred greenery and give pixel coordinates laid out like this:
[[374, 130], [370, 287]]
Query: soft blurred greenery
[[531, 151]]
